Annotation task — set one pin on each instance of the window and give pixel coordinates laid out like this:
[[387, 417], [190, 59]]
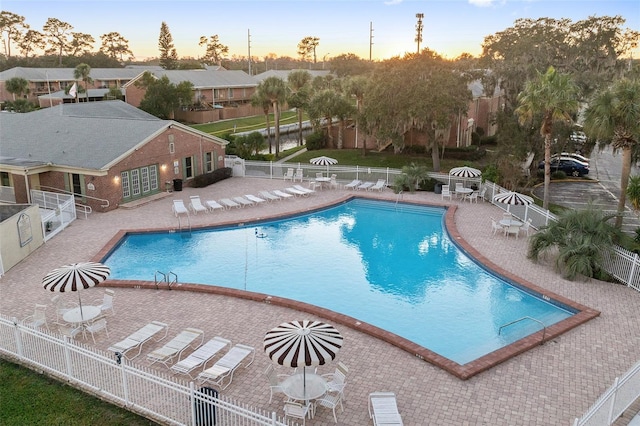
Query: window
[[126, 189], [172, 145], [216, 94], [75, 182], [208, 161], [135, 182], [189, 171], [4, 179], [230, 92]]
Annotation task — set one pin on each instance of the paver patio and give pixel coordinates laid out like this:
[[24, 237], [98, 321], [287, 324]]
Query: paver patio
[[548, 385]]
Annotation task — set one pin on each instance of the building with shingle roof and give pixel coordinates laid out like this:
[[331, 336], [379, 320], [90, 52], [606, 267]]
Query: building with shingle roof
[[106, 153]]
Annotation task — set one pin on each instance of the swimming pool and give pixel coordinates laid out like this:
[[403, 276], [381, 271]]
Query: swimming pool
[[392, 266]]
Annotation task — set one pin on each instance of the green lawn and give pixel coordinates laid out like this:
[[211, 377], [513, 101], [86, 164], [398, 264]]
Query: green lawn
[[28, 398], [256, 122], [376, 159]]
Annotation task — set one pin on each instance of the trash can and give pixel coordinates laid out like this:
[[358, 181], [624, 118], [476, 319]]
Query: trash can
[[438, 188], [205, 409], [177, 184]]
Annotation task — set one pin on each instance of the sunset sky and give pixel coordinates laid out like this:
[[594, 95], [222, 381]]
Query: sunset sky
[[451, 27]]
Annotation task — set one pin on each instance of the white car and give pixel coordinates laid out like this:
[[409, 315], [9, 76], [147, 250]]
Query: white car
[[572, 156]]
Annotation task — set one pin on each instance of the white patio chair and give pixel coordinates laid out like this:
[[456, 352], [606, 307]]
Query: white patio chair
[[496, 227], [333, 182], [526, 227], [331, 400], [446, 192], [299, 176], [106, 303], [289, 174], [69, 330], [274, 381], [473, 197], [96, 325], [38, 319], [296, 410], [61, 308], [512, 230]]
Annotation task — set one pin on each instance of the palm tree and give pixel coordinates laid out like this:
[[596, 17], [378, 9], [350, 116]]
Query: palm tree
[[17, 86], [356, 86], [274, 89], [299, 97], [613, 117], [579, 238], [259, 100], [82, 72], [554, 96]]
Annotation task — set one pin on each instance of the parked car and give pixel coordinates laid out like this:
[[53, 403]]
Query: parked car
[[574, 156], [567, 165]]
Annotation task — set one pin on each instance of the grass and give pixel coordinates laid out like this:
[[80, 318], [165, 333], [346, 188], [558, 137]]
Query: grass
[[256, 122], [29, 398], [375, 159]]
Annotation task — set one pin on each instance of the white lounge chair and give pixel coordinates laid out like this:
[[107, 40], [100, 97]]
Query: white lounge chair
[[281, 194], [224, 368], [296, 192], [214, 205], [383, 409], [269, 196], [229, 203], [179, 208], [200, 357], [139, 338], [303, 189], [365, 185], [353, 184], [256, 200], [379, 186], [176, 346], [196, 205], [243, 201]]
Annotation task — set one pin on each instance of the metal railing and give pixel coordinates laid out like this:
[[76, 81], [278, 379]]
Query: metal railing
[[140, 389]]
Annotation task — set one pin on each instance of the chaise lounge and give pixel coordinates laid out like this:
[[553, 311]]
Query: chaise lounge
[[139, 338], [225, 367]]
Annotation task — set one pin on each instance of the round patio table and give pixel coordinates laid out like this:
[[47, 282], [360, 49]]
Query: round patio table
[[304, 387]]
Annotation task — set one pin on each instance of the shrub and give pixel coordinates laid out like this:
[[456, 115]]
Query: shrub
[[557, 175], [315, 140], [470, 153], [491, 173], [489, 140], [207, 179]]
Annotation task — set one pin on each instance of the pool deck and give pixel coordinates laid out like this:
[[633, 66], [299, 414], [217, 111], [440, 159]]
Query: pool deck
[[550, 384]]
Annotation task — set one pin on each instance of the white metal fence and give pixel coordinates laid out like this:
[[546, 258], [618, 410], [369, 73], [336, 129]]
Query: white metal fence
[[139, 389], [57, 211], [615, 401]]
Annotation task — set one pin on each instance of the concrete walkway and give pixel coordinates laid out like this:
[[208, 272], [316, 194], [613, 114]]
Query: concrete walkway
[[551, 384]]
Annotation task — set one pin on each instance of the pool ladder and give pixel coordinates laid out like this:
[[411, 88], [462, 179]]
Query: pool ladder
[[186, 224], [544, 327], [166, 278]]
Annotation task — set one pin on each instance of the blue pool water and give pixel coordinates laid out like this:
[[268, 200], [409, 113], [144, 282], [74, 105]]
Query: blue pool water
[[393, 266]]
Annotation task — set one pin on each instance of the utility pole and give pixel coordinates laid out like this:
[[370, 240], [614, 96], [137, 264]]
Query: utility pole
[[370, 39], [419, 29], [249, 46]]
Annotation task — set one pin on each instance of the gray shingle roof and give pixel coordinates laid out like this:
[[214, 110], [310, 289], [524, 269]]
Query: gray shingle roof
[[284, 74], [209, 79], [66, 74], [86, 135]]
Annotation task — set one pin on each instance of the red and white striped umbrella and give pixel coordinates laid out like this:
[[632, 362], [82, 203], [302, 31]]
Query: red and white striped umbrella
[[302, 344], [75, 277]]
